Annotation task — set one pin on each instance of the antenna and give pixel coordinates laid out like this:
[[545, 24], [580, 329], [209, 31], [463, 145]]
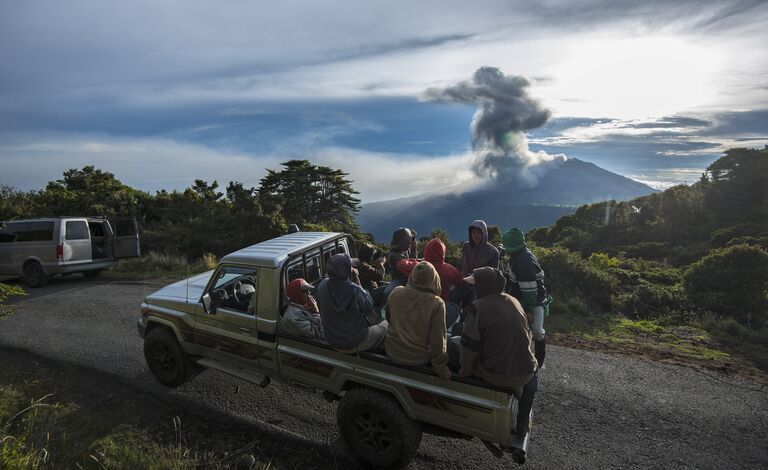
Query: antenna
[[186, 297]]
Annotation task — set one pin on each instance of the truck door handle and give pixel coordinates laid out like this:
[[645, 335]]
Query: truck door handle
[[245, 331]]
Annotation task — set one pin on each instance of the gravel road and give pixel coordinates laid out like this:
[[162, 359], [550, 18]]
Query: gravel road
[[592, 411]]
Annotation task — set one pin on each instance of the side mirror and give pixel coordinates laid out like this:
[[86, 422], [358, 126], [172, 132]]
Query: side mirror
[[208, 304]]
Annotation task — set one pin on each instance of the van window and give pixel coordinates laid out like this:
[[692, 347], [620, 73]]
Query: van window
[[7, 237], [77, 230], [31, 231]]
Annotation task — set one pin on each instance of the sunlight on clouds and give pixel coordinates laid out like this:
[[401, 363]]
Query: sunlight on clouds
[[153, 164], [632, 78]]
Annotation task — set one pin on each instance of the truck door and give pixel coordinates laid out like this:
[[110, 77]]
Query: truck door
[[76, 241], [229, 326], [125, 241]]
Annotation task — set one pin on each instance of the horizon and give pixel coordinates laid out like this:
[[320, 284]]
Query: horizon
[[162, 95]]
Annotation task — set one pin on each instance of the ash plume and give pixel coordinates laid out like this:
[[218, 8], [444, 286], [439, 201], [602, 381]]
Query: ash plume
[[505, 111]]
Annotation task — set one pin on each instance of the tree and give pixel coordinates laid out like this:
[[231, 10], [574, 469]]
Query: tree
[[308, 194]]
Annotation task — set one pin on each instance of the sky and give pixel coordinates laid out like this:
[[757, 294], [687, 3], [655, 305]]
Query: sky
[[163, 93]]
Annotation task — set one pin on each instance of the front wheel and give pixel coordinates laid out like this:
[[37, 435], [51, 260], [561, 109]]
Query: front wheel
[[165, 358], [34, 275], [377, 429]]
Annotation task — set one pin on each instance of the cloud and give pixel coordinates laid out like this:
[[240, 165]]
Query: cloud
[[152, 164]]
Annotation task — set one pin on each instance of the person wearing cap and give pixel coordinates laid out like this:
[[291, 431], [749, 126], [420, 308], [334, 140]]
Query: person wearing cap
[[495, 345], [526, 284], [346, 310], [416, 316], [302, 317]]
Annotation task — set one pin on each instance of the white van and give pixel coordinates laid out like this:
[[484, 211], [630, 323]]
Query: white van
[[36, 249]]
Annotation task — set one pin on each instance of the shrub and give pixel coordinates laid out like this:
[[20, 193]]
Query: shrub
[[568, 275], [647, 300], [731, 281]]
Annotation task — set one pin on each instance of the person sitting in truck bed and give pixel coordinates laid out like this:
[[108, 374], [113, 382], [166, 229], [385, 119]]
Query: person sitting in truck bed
[[346, 310], [416, 316], [496, 343], [302, 317], [370, 271], [434, 252]]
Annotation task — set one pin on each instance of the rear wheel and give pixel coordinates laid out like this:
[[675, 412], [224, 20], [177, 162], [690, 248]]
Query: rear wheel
[[165, 358], [34, 275], [92, 273], [377, 429]]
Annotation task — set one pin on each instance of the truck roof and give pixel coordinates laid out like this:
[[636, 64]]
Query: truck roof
[[272, 253]]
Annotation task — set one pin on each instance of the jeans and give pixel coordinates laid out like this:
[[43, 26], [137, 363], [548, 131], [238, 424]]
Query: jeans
[[525, 405], [537, 325]]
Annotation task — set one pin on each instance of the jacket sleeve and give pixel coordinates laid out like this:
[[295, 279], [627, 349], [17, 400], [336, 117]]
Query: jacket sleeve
[[455, 275], [470, 342], [465, 259], [405, 266], [494, 261], [370, 273], [438, 355], [528, 274]]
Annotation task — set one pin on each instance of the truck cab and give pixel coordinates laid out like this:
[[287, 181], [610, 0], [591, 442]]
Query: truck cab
[[228, 319]]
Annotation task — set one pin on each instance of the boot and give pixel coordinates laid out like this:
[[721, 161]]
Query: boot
[[540, 351]]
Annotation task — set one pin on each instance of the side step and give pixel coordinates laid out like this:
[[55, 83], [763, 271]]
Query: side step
[[259, 380]]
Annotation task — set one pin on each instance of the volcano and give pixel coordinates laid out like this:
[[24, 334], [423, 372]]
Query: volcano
[[559, 192]]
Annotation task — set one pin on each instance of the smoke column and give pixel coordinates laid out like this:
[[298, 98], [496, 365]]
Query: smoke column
[[505, 111]]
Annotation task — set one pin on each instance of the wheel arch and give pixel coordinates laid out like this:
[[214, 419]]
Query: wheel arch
[[397, 393], [155, 322]]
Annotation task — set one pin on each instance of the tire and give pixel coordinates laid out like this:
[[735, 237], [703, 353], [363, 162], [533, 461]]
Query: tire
[[377, 429], [165, 358], [92, 273], [34, 275]]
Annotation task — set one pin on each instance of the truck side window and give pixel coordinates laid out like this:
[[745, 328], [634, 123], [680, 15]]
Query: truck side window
[[234, 288]]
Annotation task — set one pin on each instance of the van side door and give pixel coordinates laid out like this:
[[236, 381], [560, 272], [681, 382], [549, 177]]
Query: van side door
[[76, 240], [125, 241]]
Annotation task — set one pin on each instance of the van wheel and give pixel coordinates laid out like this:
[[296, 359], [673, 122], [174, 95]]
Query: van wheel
[[165, 358], [377, 429], [34, 275], [92, 273]]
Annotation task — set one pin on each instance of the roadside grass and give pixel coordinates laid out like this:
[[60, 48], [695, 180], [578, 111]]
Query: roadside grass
[[718, 344], [158, 265], [37, 431]]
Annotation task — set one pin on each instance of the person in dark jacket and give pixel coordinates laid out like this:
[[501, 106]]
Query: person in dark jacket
[[495, 345], [399, 249], [370, 271], [477, 251], [346, 310], [526, 284]]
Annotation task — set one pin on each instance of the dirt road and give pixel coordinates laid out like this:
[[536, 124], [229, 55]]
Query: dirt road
[[592, 411]]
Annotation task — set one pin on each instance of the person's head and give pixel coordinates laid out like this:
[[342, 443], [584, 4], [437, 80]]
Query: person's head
[[478, 233], [424, 277], [298, 291], [434, 251], [486, 281], [513, 240], [414, 242], [365, 252], [401, 239], [340, 267]]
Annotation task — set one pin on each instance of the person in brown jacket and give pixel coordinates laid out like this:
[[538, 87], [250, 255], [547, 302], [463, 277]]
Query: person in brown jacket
[[370, 271], [416, 316], [496, 341]]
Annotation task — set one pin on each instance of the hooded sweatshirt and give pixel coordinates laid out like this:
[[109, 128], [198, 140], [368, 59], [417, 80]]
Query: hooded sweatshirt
[[526, 278], [416, 315], [496, 342], [478, 255], [344, 305], [399, 250], [434, 252]]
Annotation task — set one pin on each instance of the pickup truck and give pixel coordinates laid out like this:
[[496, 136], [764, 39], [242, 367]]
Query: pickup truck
[[228, 319]]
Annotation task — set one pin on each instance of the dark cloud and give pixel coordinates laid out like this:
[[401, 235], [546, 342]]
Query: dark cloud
[[505, 111]]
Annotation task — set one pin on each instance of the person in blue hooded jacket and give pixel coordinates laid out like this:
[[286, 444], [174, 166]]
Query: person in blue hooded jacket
[[526, 284], [346, 310]]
